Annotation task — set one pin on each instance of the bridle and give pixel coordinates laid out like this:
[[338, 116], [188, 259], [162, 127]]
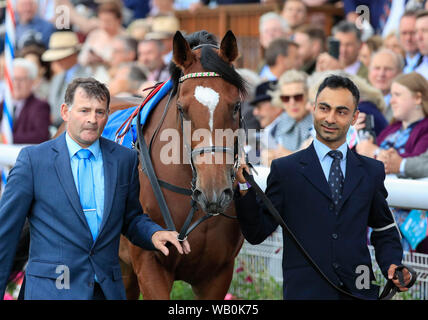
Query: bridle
[[144, 152], [235, 152]]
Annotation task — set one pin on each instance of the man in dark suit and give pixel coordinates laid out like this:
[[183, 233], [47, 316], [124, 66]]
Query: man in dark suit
[[31, 116], [328, 195], [79, 192]]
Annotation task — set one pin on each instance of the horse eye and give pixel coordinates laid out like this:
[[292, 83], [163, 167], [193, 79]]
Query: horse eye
[[180, 108], [236, 108]]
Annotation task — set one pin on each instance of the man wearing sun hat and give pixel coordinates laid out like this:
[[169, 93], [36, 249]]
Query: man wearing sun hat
[[163, 30], [63, 49]]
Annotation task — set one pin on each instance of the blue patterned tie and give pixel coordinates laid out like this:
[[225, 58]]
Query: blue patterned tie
[[335, 178], [86, 189]]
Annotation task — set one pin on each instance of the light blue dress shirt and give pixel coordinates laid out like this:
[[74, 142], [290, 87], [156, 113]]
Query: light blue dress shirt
[[97, 170], [411, 62], [321, 149], [423, 68], [267, 74]]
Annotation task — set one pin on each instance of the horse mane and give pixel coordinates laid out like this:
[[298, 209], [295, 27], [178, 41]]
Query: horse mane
[[210, 61]]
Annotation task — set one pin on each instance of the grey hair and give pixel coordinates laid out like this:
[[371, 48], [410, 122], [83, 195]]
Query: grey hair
[[273, 16], [130, 43], [399, 61], [347, 27], [290, 76], [30, 66], [252, 78]]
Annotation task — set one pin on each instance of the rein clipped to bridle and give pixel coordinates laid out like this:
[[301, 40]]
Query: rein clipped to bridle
[[390, 288]]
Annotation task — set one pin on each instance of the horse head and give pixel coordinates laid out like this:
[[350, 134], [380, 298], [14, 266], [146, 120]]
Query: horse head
[[208, 107]]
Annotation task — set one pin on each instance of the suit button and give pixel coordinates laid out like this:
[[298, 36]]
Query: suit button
[[331, 207], [335, 265], [334, 236], [340, 284], [91, 283]]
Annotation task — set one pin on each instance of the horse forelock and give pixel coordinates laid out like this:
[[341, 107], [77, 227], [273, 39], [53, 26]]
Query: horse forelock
[[210, 61]]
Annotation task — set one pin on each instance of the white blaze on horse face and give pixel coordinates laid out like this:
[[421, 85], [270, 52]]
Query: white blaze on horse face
[[209, 98]]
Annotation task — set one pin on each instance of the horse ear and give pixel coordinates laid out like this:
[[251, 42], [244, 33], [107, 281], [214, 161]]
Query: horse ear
[[182, 54], [229, 47]]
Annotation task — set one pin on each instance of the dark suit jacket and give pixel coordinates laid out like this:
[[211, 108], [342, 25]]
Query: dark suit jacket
[[41, 186], [32, 125], [335, 239]]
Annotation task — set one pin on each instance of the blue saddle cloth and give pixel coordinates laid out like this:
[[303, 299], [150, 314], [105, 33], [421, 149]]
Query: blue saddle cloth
[[117, 118]]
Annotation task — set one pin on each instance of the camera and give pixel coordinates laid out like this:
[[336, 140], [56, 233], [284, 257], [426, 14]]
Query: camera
[[368, 130]]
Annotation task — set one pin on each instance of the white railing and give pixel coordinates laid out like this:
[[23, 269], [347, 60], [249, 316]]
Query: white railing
[[9, 153]]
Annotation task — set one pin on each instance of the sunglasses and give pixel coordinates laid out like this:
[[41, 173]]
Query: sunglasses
[[296, 98]]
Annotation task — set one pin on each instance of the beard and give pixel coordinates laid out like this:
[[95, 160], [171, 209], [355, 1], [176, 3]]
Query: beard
[[337, 135]]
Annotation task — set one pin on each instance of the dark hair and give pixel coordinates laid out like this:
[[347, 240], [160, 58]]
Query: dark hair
[[421, 14], [136, 76], [314, 33], [347, 27], [158, 43], [277, 47], [92, 87], [374, 43], [111, 7], [409, 13], [336, 82], [130, 44], [38, 51]]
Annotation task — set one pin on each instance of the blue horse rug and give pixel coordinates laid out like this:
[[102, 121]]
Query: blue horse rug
[[118, 118]]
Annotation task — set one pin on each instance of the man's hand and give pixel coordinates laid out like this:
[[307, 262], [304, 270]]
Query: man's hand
[[160, 238], [327, 62], [361, 121], [406, 274], [240, 176]]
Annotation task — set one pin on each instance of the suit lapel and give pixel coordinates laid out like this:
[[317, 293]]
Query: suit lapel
[[65, 176], [312, 171], [110, 180], [354, 174]]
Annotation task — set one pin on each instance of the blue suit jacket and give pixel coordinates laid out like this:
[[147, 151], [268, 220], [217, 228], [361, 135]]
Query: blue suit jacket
[[337, 242], [41, 186]]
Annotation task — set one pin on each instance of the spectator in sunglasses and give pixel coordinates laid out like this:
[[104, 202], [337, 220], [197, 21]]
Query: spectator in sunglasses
[[295, 123]]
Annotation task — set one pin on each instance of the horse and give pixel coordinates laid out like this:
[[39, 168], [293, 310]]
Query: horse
[[206, 93]]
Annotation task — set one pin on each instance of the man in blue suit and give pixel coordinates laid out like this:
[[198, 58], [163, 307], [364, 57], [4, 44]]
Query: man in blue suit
[[328, 195], [77, 206]]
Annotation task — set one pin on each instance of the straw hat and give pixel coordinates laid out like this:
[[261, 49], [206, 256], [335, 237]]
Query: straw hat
[[61, 45], [163, 27]]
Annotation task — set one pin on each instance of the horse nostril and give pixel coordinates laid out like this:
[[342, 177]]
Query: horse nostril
[[226, 196], [197, 195]]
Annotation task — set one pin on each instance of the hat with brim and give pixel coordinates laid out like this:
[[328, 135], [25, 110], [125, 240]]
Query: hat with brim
[[261, 93], [61, 45], [163, 27]]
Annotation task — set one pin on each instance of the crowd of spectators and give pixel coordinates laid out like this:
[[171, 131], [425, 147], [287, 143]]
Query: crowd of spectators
[[128, 45]]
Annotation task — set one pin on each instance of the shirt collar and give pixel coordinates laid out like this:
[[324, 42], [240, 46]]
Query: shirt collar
[[275, 121], [321, 149], [73, 147], [412, 60], [387, 98], [353, 68]]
